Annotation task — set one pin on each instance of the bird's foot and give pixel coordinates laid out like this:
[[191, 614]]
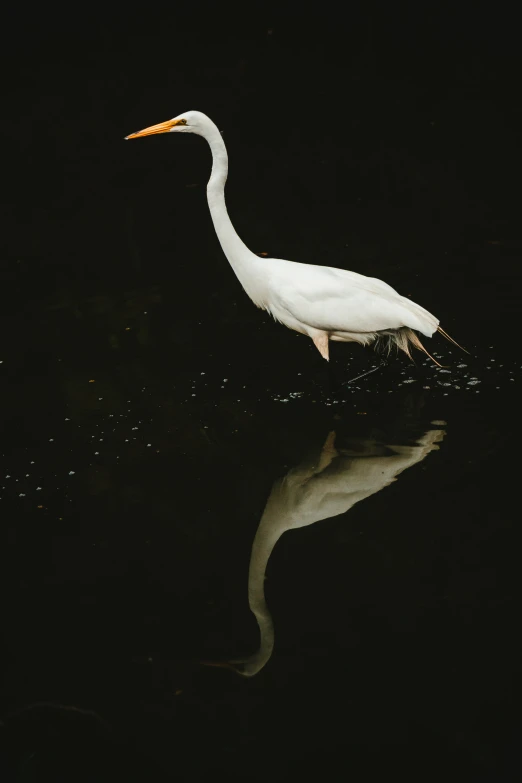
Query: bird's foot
[[364, 374]]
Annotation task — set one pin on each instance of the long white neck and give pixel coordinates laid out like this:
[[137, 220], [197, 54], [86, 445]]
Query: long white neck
[[247, 266]]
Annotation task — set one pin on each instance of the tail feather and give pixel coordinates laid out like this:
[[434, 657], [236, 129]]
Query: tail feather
[[446, 335], [403, 338], [417, 343]]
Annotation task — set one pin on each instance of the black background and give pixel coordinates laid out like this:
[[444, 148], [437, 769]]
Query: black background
[[379, 138], [388, 123]]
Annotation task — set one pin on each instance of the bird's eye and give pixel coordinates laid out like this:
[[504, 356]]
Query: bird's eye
[[182, 122]]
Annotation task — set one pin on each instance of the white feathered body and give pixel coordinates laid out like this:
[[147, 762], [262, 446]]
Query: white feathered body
[[324, 303], [347, 306]]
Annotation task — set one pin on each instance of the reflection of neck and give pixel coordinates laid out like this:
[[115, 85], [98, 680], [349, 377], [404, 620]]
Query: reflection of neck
[[266, 538]]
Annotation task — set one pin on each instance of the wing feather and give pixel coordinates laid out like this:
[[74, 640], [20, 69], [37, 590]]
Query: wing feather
[[336, 300]]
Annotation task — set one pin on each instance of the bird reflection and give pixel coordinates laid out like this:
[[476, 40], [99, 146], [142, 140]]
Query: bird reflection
[[324, 485]]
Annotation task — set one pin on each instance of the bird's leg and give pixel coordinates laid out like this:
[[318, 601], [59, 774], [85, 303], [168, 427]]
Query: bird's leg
[[332, 379], [328, 380], [321, 343], [328, 452], [325, 377], [364, 374]]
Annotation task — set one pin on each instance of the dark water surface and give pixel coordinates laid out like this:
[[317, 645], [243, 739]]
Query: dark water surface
[[160, 437], [135, 473]]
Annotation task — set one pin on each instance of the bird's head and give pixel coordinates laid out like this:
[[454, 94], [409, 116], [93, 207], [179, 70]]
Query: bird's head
[[188, 122]]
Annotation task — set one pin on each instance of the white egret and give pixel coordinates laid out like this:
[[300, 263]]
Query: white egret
[[324, 303], [328, 483]]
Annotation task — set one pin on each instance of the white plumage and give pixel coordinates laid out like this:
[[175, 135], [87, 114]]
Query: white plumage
[[324, 303]]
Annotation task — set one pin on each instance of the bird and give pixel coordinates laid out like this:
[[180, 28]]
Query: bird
[[324, 303], [328, 481]]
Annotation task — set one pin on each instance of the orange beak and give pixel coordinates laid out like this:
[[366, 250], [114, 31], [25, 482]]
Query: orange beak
[[161, 127]]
